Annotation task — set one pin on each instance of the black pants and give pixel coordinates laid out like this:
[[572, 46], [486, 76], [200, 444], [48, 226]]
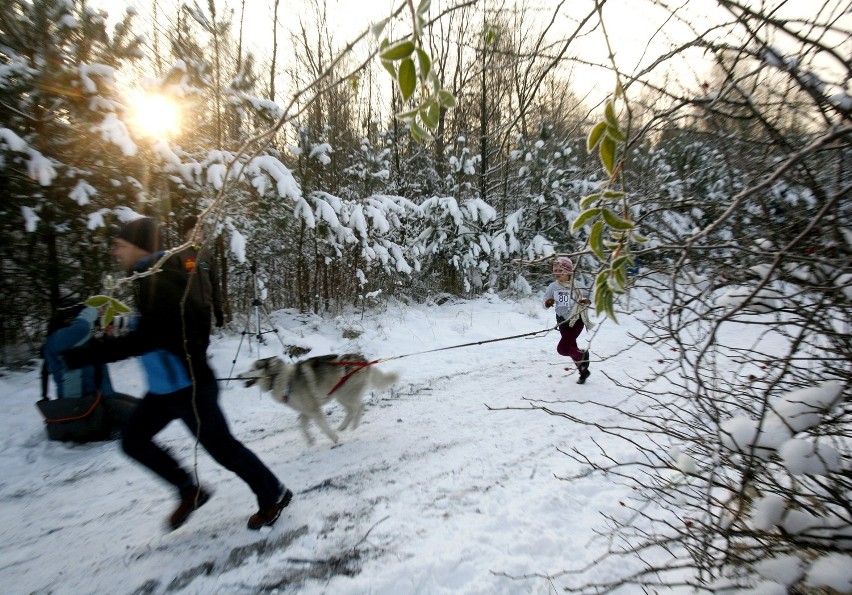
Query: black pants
[[205, 317], [211, 429], [119, 410]]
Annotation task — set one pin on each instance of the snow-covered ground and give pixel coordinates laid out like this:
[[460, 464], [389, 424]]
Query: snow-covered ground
[[452, 483]]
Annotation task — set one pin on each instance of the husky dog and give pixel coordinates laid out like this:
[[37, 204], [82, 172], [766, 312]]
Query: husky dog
[[309, 384]]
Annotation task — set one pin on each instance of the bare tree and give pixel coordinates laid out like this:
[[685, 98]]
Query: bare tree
[[740, 451]]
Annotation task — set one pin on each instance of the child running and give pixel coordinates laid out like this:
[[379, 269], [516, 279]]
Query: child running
[[571, 313]]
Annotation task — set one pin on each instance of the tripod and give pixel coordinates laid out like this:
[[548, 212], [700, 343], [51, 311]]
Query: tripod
[[257, 308]]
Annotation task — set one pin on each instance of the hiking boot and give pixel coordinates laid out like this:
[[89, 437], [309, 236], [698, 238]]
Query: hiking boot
[[584, 373], [192, 501], [584, 363], [268, 516]]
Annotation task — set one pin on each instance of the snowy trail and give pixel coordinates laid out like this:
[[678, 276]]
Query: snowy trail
[[444, 487]]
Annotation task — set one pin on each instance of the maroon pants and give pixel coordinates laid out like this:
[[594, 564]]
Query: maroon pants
[[568, 343]]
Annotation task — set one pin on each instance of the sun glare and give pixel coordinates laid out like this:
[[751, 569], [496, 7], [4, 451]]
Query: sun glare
[[156, 116]]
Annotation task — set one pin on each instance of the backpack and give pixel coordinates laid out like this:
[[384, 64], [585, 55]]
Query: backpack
[[81, 419]]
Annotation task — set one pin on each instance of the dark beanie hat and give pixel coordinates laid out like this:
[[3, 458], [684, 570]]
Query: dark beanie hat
[[143, 233], [188, 224]]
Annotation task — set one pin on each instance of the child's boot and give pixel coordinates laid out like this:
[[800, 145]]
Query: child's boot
[[583, 367]]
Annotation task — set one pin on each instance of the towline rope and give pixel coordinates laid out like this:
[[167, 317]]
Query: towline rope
[[360, 365]]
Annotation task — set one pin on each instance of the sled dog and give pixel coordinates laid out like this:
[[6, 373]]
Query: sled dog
[[309, 384]]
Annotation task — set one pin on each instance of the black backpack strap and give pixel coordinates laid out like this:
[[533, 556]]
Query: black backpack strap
[[45, 380], [99, 377]]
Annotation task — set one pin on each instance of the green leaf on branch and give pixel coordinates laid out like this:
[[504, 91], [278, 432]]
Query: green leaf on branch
[[614, 283], [398, 51], [429, 113], [435, 113], [419, 133], [621, 261], [96, 301], [110, 305], [608, 154], [424, 62], [407, 117], [587, 201], [491, 33], [621, 277], [603, 296], [600, 296], [411, 68], [615, 221], [436, 84], [447, 99], [407, 78], [614, 132], [609, 114], [600, 280], [379, 28], [388, 65], [595, 136], [609, 306], [596, 240], [583, 218]]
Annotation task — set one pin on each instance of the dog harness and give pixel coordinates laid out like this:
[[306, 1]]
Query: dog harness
[[357, 365]]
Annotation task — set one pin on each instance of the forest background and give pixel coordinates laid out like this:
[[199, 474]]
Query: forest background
[[450, 149], [337, 201]]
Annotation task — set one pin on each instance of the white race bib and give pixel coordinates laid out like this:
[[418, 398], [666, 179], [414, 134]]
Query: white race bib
[[562, 297]]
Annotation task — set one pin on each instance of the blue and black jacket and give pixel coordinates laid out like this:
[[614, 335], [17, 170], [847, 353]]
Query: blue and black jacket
[[169, 333], [83, 381]]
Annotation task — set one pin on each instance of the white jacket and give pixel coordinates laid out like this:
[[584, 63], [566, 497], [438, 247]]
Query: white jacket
[[566, 302]]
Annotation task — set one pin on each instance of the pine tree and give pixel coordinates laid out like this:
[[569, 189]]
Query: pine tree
[[65, 150]]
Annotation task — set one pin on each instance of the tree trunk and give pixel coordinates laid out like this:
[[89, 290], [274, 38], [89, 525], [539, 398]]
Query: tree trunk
[[274, 51], [223, 276], [483, 131], [52, 268], [301, 272], [440, 146]]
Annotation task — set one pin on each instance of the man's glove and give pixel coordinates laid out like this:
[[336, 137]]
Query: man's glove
[[548, 302], [220, 317]]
